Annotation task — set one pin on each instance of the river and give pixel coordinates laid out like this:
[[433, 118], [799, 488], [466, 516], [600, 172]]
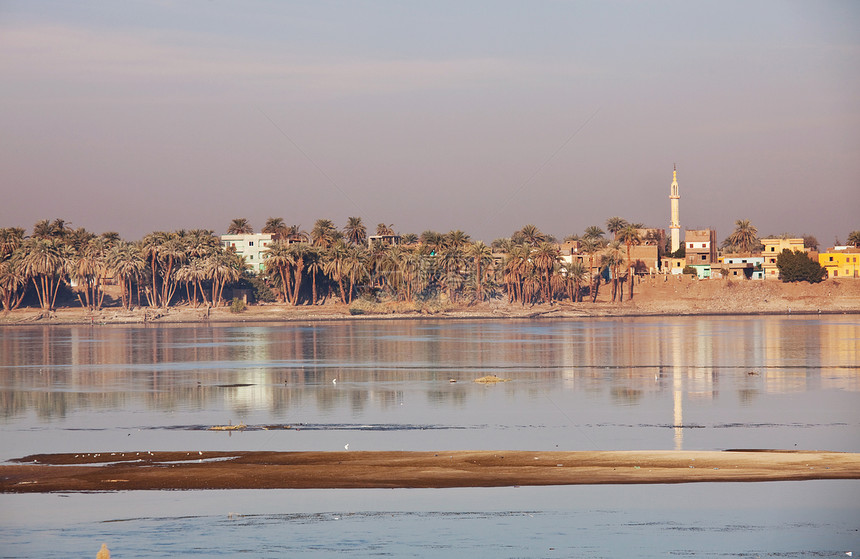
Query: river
[[692, 383]]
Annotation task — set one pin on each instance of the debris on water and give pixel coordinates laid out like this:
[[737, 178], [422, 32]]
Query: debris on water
[[491, 379], [227, 427]]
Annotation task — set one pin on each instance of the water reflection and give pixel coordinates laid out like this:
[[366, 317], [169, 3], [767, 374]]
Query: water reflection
[[675, 365]]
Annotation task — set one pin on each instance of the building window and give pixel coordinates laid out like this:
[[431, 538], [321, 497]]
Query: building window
[[704, 257], [835, 272], [250, 243], [704, 245], [831, 259], [773, 249]]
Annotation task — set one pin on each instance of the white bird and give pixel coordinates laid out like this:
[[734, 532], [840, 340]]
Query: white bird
[[346, 446], [334, 381]]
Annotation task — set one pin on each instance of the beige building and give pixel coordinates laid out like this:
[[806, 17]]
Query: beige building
[[252, 246], [772, 247]]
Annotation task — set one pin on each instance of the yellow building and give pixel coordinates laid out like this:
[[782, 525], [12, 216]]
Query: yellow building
[[841, 263], [772, 248]]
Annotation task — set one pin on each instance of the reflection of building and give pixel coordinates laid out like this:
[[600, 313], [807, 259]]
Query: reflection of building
[[252, 246]]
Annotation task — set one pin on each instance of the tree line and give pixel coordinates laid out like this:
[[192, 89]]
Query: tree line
[[192, 267]]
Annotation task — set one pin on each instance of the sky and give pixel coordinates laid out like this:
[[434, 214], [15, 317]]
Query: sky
[[478, 115]]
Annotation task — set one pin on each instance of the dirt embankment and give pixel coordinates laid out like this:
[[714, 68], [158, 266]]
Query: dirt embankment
[[674, 295], [343, 470]]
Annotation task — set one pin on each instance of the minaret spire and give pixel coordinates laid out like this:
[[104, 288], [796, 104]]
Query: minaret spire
[[674, 201]]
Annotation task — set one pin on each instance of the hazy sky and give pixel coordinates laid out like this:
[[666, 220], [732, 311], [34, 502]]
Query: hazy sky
[[483, 115]]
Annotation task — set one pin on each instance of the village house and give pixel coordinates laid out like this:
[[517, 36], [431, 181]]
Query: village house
[[252, 246], [772, 247], [841, 262], [700, 246], [743, 266]]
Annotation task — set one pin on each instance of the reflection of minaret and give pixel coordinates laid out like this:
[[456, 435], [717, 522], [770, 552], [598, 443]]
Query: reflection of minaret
[[675, 225], [677, 389]]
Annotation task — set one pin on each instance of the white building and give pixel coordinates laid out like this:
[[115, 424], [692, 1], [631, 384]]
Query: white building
[[252, 246]]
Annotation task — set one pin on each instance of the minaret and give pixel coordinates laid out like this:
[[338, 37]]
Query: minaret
[[674, 198]]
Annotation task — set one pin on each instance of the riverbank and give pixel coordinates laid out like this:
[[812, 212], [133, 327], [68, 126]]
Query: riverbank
[[662, 296], [351, 470]]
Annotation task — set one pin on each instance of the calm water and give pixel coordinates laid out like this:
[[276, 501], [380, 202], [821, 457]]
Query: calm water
[[663, 383]]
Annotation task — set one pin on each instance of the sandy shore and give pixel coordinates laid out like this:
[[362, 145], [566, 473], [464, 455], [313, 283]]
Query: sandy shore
[[331, 470], [673, 296]]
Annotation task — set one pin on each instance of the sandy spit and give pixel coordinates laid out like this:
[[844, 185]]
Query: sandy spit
[[382, 469]]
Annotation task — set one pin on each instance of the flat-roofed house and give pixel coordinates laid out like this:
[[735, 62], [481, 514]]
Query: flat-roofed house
[[772, 247], [841, 262], [700, 246], [252, 246]]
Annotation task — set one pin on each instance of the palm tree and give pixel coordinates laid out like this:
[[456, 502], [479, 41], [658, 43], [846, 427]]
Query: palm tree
[[383, 229], [575, 274], [298, 252], [630, 237], [151, 252], [532, 235], [126, 262], [481, 256], [593, 232], [240, 226], [276, 227], [173, 253], [278, 263], [745, 236], [431, 242], [355, 231], [45, 261], [324, 234], [409, 239], [455, 239], [335, 265], [589, 245], [12, 280], [545, 258], [612, 258], [87, 268], [615, 224], [314, 261], [854, 238], [11, 239]]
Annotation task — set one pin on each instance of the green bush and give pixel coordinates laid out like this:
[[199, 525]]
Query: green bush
[[689, 270], [798, 266], [237, 306]]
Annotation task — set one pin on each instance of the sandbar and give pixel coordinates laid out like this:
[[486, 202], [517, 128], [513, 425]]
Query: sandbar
[[196, 470]]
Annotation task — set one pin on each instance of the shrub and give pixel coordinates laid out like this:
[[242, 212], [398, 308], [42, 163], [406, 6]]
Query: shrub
[[798, 266], [237, 306]]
